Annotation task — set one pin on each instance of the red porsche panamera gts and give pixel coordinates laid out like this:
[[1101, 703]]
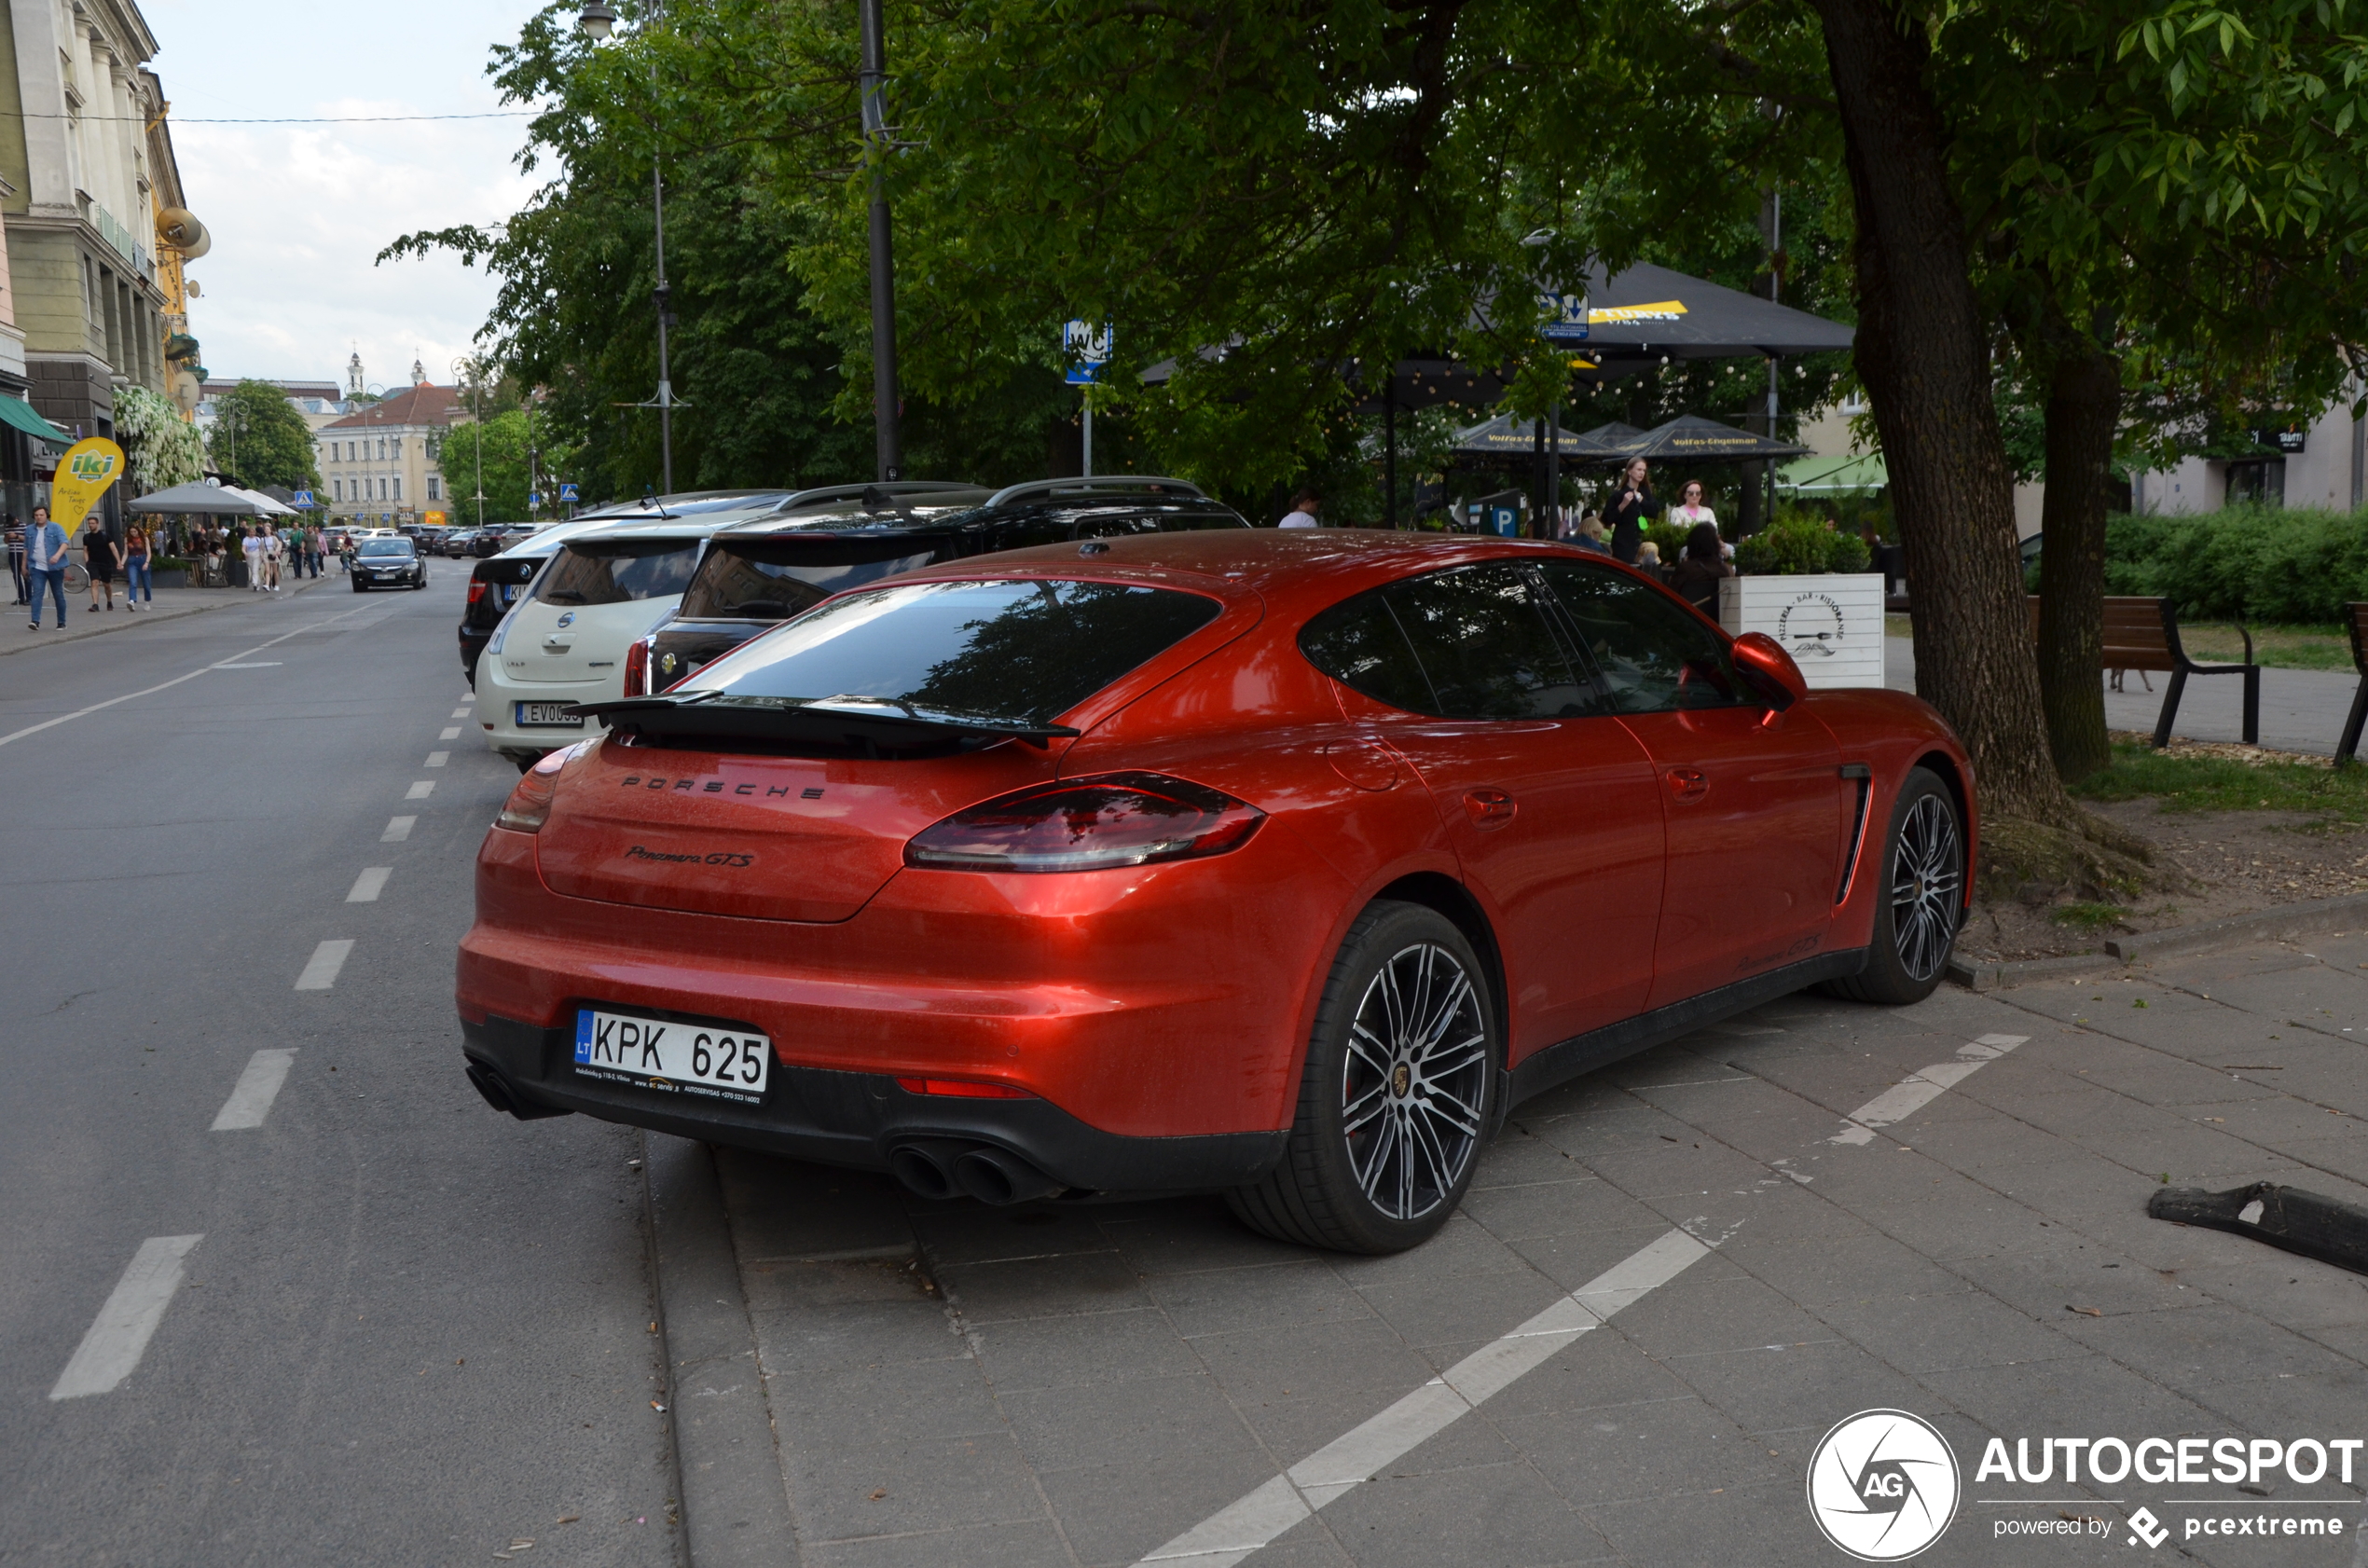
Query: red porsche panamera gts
[[1279, 863]]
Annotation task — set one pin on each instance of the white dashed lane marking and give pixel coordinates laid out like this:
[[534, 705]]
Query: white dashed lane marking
[[320, 969], [462, 712], [1923, 1086], [1334, 1470], [111, 1351], [450, 733], [398, 829], [250, 1102], [437, 759], [369, 885], [421, 789]]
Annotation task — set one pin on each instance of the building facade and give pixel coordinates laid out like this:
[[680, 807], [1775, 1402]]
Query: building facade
[[380, 464], [88, 170]]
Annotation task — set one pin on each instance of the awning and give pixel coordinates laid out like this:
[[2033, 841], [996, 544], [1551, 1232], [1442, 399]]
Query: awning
[[1828, 475], [17, 412], [1645, 311]]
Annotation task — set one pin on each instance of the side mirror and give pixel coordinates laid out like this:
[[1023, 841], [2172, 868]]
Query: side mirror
[[1762, 662]]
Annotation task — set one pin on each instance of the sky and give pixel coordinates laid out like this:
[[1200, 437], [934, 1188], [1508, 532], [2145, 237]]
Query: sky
[[297, 211]]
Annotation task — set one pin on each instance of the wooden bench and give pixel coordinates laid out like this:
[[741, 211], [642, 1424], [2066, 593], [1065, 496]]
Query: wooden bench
[[2143, 634], [2356, 621]]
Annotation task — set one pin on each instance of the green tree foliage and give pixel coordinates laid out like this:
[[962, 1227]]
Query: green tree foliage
[[498, 447], [260, 438]]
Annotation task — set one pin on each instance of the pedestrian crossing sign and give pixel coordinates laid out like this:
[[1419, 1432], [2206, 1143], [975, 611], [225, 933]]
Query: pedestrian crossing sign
[[304, 498]]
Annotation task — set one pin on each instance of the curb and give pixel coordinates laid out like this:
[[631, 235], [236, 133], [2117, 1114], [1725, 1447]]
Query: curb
[[2346, 912], [135, 618], [735, 1506]]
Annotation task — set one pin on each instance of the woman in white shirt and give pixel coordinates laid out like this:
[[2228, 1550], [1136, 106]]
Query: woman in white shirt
[[1689, 509]]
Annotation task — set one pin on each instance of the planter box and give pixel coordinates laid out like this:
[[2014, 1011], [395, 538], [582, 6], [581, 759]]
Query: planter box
[[1831, 624]]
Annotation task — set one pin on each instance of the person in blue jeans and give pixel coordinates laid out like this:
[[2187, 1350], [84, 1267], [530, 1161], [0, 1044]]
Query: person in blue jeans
[[137, 584], [45, 548]]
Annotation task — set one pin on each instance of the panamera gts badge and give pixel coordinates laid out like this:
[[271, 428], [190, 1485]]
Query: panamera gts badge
[[718, 858]]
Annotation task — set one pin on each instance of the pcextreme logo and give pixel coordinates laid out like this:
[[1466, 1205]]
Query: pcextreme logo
[[1883, 1485]]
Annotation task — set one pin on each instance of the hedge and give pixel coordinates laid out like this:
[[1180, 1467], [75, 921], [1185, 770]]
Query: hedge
[[2257, 564]]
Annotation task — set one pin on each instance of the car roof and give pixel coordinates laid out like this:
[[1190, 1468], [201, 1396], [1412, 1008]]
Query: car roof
[[1278, 564]]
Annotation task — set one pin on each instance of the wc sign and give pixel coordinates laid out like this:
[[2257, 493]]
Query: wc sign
[[1087, 349]]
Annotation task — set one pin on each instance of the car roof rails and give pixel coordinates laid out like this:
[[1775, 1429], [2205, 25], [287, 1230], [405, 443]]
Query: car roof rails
[[884, 491], [1152, 482]]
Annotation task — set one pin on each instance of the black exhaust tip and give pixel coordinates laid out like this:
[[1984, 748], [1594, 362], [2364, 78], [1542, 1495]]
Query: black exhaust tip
[[926, 1166], [993, 1176]]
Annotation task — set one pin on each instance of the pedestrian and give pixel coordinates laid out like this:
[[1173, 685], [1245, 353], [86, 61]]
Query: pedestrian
[[100, 557], [275, 550], [312, 546], [136, 580], [251, 551], [1632, 503], [1303, 511], [1700, 570], [1590, 535], [16, 554], [1648, 560], [45, 560], [1689, 509]]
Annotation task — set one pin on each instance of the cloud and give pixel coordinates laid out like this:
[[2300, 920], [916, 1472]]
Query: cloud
[[297, 212]]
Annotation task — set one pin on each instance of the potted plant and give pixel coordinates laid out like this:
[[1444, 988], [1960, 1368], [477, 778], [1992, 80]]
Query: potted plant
[[1805, 583]]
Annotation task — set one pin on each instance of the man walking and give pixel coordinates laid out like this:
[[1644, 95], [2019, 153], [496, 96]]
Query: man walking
[[45, 544]]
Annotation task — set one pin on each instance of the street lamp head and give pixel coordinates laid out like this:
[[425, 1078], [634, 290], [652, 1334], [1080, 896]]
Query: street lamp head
[[597, 21]]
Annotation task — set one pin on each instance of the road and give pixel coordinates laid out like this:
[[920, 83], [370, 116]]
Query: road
[[408, 1332], [276, 1287]]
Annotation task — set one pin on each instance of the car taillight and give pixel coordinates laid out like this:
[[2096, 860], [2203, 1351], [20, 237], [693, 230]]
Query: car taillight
[[477, 591], [529, 804], [1109, 821], [637, 667], [962, 1089]]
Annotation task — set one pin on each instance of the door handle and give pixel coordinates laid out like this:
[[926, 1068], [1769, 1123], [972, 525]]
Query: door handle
[[1686, 783], [1489, 808]]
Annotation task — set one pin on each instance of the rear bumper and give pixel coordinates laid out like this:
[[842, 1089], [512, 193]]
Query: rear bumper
[[496, 715], [855, 1119]]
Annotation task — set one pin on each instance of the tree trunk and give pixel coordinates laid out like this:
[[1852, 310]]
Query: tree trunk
[[1921, 350], [2084, 409]]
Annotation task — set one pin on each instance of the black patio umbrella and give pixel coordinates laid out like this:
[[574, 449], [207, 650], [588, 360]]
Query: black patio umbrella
[[1691, 436], [1508, 435], [1645, 313]]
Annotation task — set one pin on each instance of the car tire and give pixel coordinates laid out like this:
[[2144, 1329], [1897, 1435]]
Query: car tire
[[1383, 1146], [358, 588], [1920, 901]]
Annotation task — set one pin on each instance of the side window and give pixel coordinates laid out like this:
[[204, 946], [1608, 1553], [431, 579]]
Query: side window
[[1358, 643], [1025, 531], [1114, 527], [1467, 643], [1652, 656]]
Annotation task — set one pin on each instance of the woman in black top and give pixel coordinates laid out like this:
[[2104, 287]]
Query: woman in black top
[[1700, 569], [1632, 501]]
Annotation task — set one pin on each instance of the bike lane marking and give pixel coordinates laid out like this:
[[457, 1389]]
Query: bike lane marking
[[1332, 1471]]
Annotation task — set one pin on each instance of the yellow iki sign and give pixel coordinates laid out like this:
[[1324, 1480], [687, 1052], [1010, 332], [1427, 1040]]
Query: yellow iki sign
[[83, 476]]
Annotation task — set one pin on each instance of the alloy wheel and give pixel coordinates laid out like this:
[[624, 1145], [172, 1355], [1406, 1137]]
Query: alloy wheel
[[1926, 881], [1413, 1081]]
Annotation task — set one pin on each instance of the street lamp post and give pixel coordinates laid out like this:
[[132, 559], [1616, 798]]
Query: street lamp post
[[597, 21], [887, 438]]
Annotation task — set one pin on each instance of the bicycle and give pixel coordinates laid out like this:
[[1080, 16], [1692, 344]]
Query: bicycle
[[77, 578]]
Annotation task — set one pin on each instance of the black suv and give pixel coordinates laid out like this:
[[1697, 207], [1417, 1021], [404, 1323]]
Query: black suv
[[757, 574]]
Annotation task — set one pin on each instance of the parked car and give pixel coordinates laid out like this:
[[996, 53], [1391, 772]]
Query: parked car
[[458, 542], [1278, 863], [388, 562], [564, 640], [757, 574], [496, 582]]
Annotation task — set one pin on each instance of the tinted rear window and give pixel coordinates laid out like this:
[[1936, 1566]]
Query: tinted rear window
[[752, 579], [613, 572], [1028, 650]]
